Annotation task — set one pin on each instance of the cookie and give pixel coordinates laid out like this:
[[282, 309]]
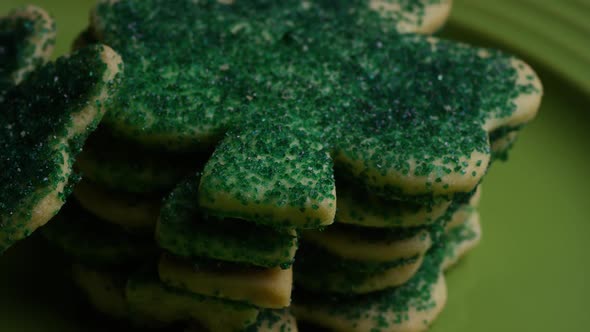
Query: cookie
[[89, 240], [186, 231], [104, 290], [264, 288], [358, 207], [377, 245], [293, 100], [43, 124], [270, 162], [153, 303], [27, 37], [461, 239], [411, 307], [320, 270], [121, 165], [136, 214]]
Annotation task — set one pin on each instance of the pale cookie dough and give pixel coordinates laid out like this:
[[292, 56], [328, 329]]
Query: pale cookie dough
[[461, 239], [27, 37], [134, 213], [264, 288], [43, 124], [105, 290]]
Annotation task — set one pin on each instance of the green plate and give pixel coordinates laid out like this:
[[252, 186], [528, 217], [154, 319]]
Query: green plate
[[530, 272]]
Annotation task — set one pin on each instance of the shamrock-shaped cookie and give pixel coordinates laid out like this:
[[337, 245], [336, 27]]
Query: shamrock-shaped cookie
[[291, 90], [43, 124]]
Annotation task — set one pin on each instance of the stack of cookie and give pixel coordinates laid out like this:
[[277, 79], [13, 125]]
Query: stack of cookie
[[233, 262], [108, 227], [223, 275], [298, 116], [378, 266]]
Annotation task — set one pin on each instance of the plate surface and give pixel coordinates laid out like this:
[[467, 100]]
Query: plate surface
[[530, 272]]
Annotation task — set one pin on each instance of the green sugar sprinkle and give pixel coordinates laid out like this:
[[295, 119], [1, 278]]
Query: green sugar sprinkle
[[89, 240], [273, 320], [416, 293], [288, 86], [35, 133], [185, 230], [17, 50]]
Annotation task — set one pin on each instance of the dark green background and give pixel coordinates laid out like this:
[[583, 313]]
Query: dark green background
[[531, 271]]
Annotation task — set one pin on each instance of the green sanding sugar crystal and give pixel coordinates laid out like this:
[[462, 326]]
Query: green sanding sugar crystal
[[288, 86], [279, 320]]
